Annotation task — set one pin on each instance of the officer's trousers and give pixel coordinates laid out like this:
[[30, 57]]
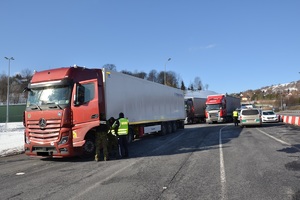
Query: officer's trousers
[[123, 146]]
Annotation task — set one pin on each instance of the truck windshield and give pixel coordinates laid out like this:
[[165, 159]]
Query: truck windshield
[[213, 107], [55, 95]]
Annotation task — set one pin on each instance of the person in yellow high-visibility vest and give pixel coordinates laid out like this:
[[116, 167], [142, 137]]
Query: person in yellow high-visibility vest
[[122, 132], [235, 116]]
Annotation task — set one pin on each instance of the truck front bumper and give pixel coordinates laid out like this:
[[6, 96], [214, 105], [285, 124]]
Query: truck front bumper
[[214, 120], [54, 151]]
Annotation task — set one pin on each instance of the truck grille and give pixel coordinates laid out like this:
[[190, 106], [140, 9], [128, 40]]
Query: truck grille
[[214, 115], [46, 134]]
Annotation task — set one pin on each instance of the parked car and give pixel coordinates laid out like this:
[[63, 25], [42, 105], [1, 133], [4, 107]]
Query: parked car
[[250, 117], [269, 116]]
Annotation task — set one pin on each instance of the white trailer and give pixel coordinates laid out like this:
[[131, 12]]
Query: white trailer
[[149, 106]]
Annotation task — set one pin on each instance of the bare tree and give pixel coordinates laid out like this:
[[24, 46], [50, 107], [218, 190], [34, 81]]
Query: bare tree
[[127, 72], [206, 86], [15, 92], [172, 79], [191, 87], [152, 76], [160, 77], [26, 75], [198, 83], [182, 86], [3, 87], [111, 67], [141, 75]]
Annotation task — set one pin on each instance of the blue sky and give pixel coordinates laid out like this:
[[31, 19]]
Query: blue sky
[[232, 45]]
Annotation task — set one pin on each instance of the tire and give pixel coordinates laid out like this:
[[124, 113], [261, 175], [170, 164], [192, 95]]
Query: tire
[[89, 147], [180, 124], [163, 130], [169, 127], [174, 127], [130, 136]]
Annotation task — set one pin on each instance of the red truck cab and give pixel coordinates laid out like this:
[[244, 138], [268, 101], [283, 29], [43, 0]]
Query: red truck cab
[[215, 108], [64, 108]]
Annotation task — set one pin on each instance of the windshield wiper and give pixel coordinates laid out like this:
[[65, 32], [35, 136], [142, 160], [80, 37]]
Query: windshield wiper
[[56, 106], [36, 107]]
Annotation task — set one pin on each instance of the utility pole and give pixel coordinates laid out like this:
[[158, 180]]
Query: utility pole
[[165, 77], [7, 103]]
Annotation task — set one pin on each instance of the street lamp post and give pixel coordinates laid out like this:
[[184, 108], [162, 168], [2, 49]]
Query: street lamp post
[[165, 78], [7, 103], [281, 104]]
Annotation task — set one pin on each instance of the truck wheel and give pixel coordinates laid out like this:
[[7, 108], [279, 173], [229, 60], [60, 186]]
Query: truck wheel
[[163, 130], [192, 120], [89, 146], [174, 127]]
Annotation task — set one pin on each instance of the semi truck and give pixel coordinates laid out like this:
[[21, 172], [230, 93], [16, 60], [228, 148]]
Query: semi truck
[[66, 106], [219, 108], [195, 109]]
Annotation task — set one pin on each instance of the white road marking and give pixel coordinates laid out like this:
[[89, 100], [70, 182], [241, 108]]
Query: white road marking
[[278, 140], [222, 168]]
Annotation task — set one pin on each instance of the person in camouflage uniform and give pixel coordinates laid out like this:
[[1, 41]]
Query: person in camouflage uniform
[[101, 143], [113, 146]]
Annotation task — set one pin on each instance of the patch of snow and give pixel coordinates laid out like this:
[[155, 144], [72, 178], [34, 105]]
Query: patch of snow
[[12, 138]]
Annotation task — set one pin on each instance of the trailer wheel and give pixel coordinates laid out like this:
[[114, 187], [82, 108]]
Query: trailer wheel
[[130, 136], [163, 130], [174, 127], [169, 127], [180, 124], [89, 146]]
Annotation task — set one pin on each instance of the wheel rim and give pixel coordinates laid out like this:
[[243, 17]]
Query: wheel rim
[[89, 147]]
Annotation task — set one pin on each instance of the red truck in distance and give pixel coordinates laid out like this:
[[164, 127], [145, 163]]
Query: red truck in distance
[[219, 108]]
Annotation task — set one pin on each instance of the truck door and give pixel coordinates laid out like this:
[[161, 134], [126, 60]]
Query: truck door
[[85, 105]]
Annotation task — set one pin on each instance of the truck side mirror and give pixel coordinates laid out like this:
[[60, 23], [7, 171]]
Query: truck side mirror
[[79, 96], [26, 89]]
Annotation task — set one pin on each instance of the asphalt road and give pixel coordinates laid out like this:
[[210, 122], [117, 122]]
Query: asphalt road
[[215, 161]]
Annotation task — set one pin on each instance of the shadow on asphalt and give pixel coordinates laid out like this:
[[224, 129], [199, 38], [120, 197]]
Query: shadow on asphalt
[[195, 137]]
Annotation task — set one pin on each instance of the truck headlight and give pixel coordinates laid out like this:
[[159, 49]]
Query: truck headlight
[[63, 140], [27, 141]]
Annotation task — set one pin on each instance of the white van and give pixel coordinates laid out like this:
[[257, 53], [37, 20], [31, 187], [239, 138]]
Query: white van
[[250, 117]]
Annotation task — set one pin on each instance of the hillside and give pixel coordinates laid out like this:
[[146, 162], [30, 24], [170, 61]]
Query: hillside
[[280, 97], [288, 87]]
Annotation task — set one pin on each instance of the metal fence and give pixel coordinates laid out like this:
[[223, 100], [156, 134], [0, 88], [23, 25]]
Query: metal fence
[[15, 113]]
